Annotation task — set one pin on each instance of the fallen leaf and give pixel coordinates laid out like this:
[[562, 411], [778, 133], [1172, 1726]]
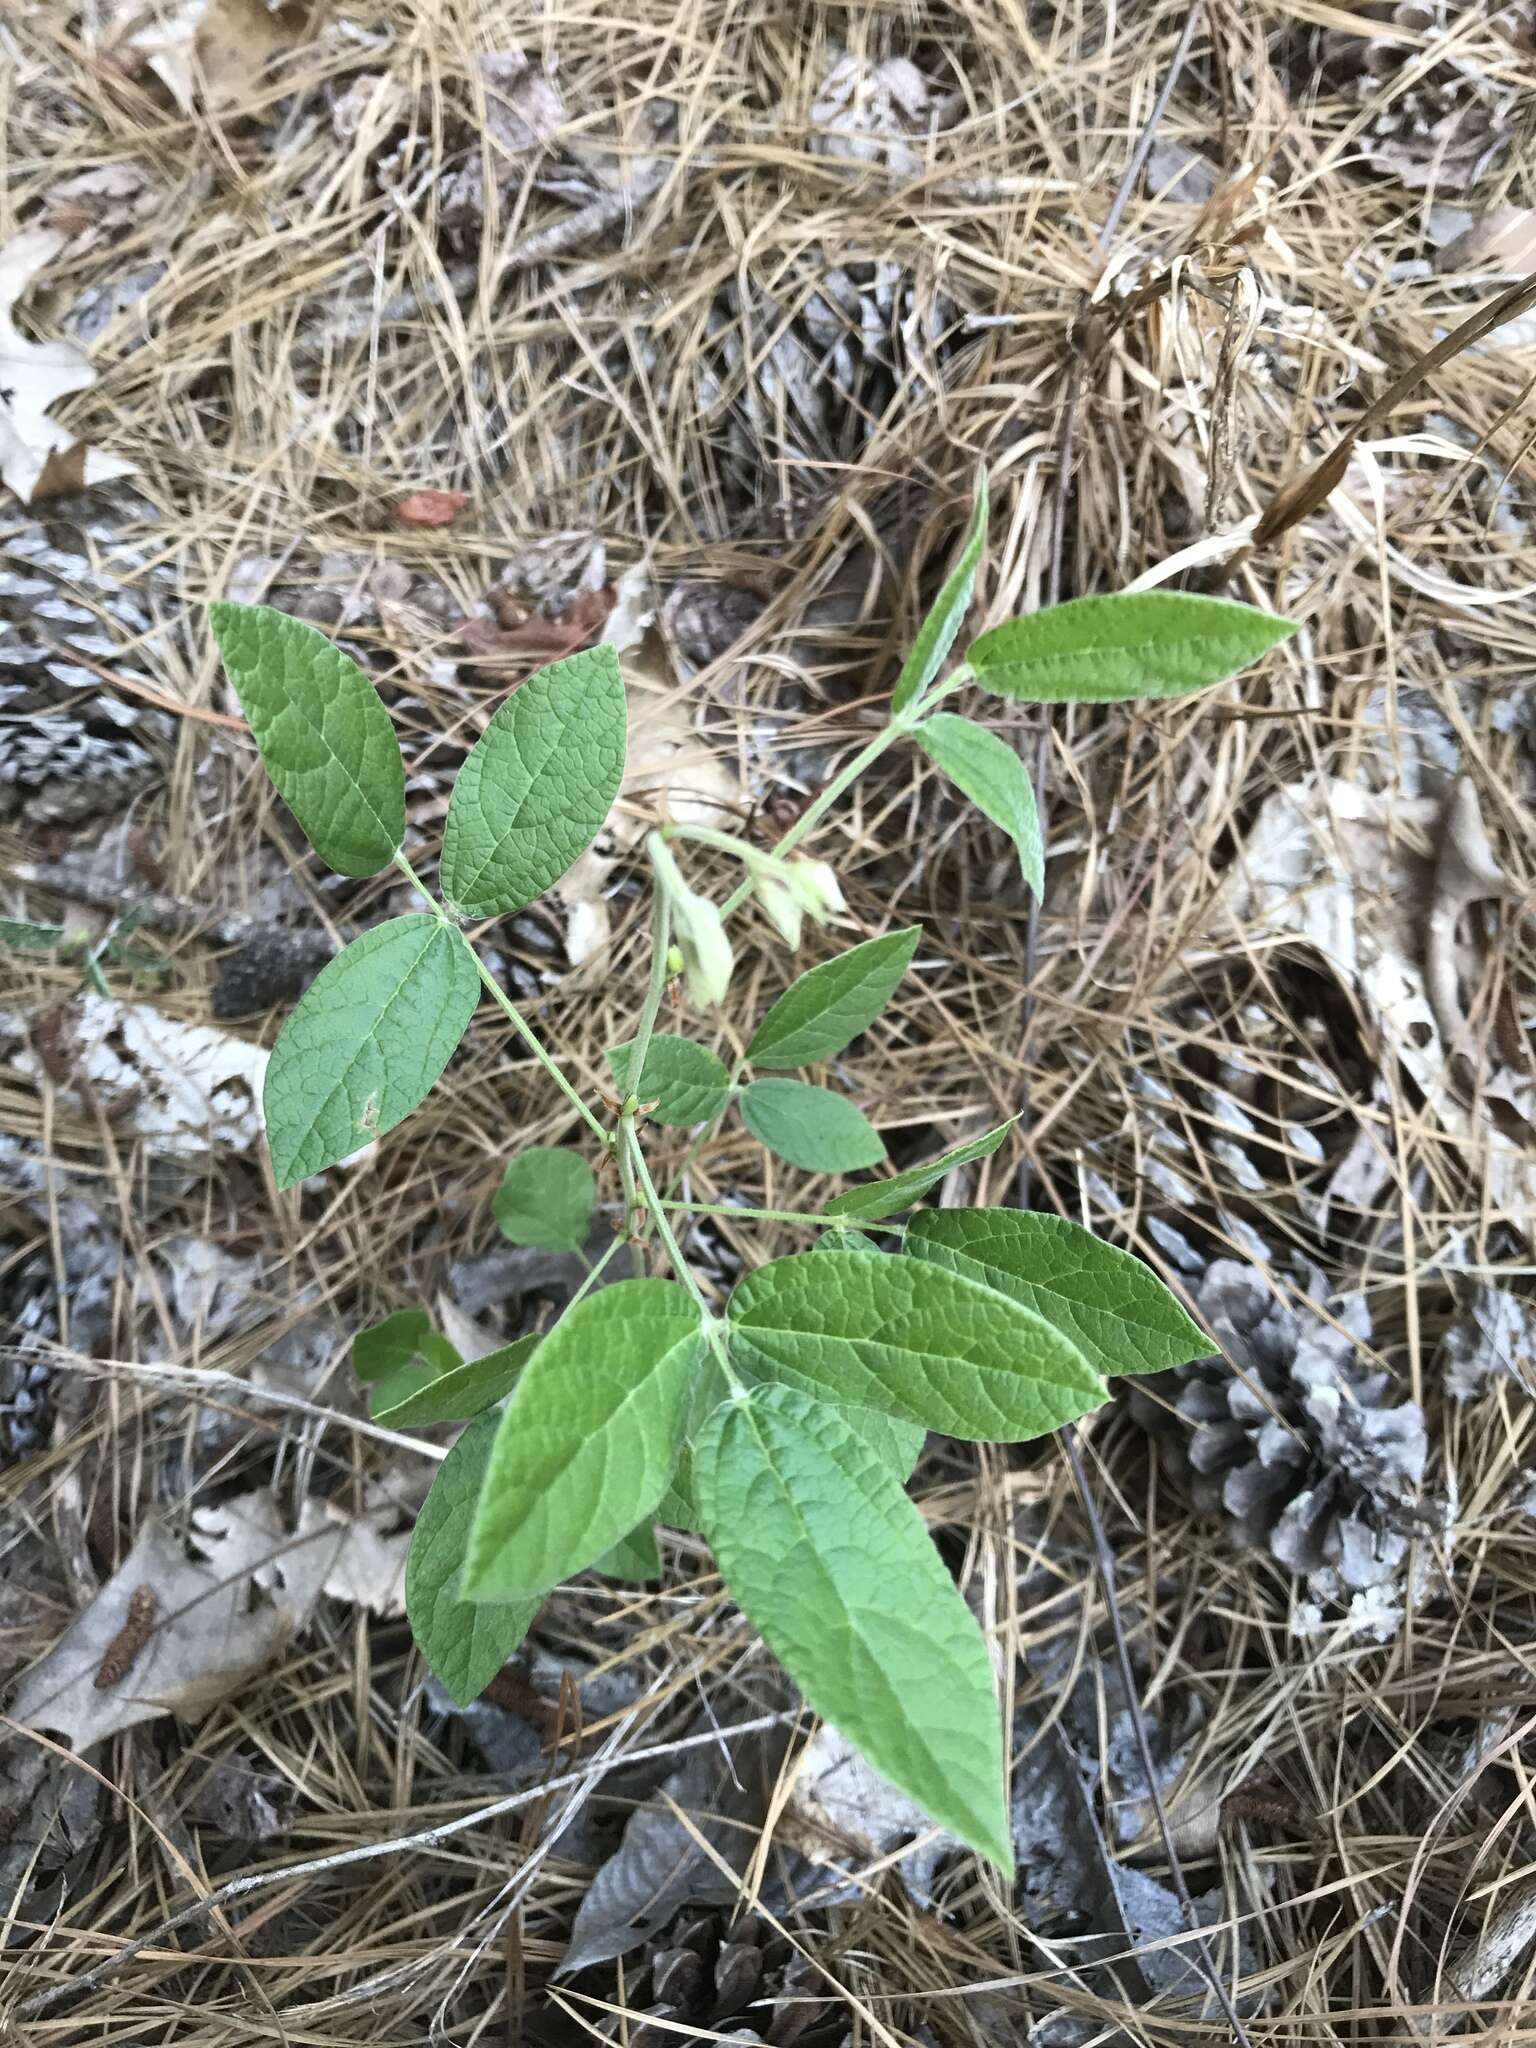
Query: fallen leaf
[[538, 638], [431, 508], [207, 1641], [214, 49], [1502, 241], [185, 1088], [717, 1795], [1332, 866], [39, 458], [331, 1553]]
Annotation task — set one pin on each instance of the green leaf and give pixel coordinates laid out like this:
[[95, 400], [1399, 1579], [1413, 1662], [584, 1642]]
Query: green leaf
[[877, 1198], [588, 1440], [991, 774], [1098, 650], [1115, 1310], [323, 732], [936, 635], [910, 1339], [466, 1642], [819, 1013], [810, 1127], [462, 1390], [370, 1035], [389, 1345], [687, 1082], [534, 792], [832, 1565], [633, 1557], [23, 936], [545, 1199], [836, 1240]]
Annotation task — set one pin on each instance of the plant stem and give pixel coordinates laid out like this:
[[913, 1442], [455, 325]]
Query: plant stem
[[815, 811], [656, 987], [629, 1144], [505, 1004], [769, 1215]]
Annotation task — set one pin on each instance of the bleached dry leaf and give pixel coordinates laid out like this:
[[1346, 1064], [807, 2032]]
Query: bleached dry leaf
[[1333, 866], [865, 112], [331, 1553], [211, 49], [842, 1802], [206, 1640], [183, 1087], [39, 458]]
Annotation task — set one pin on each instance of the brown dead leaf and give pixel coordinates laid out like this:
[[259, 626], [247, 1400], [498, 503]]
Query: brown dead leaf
[[431, 508], [537, 638]]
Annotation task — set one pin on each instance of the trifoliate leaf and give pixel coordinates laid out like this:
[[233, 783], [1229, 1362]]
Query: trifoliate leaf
[[323, 732], [877, 1198], [936, 635], [1115, 1310], [588, 1440], [687, 1082], [991, 774], [1151, 643], [466, 1642], [545, 1199], [832, 1565], [827, 1006], [537, 786], [910, 1339], [370, 1035], [459, 1391], [810, 1127]]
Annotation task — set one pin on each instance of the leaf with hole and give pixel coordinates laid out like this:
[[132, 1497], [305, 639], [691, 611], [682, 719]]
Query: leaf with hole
[[810, 1127], [537, 786], [687, 1082], [323, 732], [588, 1440], [910, 1339], [877, 1198], [370, 1035], [545, 1199], [1099, 650], [988, 771], [832, 1565], [827, 1006], [459, 1391], [936, 635], [466, 1642], [1115, 1310]]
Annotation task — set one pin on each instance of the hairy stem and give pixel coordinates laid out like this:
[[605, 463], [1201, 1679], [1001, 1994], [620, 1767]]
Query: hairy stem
[[629, 1144], [656, 987]]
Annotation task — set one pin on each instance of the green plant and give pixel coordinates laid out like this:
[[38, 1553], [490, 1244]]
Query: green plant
[[784, 1427]]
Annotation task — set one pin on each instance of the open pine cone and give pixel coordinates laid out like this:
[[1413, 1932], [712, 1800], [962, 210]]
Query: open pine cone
[[1302, 1448], [1446, 125]]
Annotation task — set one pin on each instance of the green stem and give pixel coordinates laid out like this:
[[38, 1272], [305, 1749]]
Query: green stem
[[505, 1004], [656, 987], [815, 811], [771, 1215], [629, 1143]]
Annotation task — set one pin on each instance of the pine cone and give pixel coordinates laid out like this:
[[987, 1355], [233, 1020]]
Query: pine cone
[[704, 1974], [1289, 1436], [1449, 126]]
